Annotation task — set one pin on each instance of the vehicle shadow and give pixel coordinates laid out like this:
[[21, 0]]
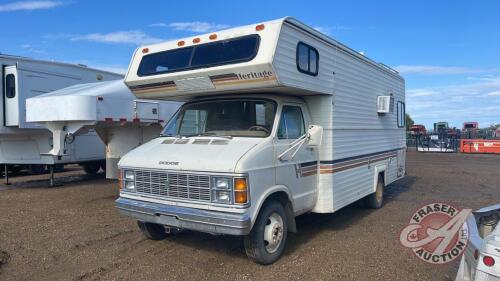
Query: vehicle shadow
[[63, 179]]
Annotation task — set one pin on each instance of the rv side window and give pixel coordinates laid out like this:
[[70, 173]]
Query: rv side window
[[291, 123], [235, 50], [10, 86], [307, 59], [401, 114]]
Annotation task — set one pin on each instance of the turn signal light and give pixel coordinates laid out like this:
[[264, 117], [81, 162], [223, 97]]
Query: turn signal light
[[259, 27], [488, 261], [240, 190], [181, 43], [212, 36], [196, 40]]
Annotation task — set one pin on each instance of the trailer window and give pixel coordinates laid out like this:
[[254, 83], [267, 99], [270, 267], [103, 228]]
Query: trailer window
[[401, 114], [234, 50], [291, 123], [307, 59], [10, 86]]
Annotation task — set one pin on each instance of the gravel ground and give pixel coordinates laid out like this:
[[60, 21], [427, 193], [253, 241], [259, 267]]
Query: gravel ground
[[73, 232]]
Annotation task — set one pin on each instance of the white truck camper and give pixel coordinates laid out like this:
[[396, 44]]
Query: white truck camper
[[24, 144], [279, 120], [109, 108]]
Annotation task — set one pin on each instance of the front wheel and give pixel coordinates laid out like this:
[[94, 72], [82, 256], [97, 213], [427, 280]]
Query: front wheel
[[91, 168], [266, 242]]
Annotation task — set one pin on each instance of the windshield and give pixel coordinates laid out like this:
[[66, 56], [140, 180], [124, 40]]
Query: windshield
[[226, 118]]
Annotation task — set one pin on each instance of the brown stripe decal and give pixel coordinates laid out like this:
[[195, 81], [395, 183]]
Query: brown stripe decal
[[330, 167]]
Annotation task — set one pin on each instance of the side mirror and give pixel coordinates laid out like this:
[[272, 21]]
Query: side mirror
[[315, 135]]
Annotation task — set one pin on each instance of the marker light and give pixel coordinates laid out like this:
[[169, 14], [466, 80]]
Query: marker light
[[145, 50], [488, 261], [259, 27], [181, 43], [196, 40], [212, 36], [240, 190], [476, 254]]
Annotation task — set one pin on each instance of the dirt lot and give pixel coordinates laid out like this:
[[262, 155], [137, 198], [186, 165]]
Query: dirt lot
[[73, 232]]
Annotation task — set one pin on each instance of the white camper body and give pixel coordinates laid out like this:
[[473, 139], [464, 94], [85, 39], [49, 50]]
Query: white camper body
[[280, 120], [109, 108], [23, 143]]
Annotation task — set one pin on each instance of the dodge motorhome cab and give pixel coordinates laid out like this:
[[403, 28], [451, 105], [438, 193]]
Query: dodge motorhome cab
[[279, 120]]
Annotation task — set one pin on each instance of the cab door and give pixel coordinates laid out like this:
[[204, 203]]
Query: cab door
[[299, 173], [11, 96]]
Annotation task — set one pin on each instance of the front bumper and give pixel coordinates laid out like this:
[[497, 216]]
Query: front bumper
[[186, 218]]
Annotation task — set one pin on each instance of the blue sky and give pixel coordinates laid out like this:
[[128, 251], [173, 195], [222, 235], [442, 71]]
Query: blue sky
[[448, 51]]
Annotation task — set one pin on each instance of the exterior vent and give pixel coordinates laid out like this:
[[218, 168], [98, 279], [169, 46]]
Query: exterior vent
[[201, 141], [220, 142], [168, 141], [385, 104], [181, 141], [194, 83]]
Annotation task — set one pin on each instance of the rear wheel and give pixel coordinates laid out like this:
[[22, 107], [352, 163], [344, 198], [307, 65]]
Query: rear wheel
[[266, 242], [376, 199], [152, 231], [91, 168]]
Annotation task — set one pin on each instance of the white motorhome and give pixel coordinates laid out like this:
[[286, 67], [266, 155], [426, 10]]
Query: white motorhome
[[24, 144], [120, 120], [279, 120]]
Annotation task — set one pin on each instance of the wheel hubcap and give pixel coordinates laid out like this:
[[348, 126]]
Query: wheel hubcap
[[273, 233]]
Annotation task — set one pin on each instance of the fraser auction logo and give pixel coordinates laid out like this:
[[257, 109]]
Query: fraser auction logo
[[437, 233]]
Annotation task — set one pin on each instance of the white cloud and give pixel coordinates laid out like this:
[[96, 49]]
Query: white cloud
[[329, 29], [436, 69], [158, 24], [29, 5], [494, 94], [31, 49], [196, 26], [137, 37], [473, 101]]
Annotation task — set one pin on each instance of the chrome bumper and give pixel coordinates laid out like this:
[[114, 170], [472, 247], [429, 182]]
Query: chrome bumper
[[186, 218]]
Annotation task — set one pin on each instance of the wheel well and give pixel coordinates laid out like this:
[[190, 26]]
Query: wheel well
[[283, 199], [382, 173]]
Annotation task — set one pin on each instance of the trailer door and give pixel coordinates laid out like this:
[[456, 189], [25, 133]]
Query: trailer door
[[11, 96]]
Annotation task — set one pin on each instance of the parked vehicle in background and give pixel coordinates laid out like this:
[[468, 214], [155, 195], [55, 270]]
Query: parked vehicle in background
[[25, 145], [270, 130], [418, 130], [109, 108], [481, 259]]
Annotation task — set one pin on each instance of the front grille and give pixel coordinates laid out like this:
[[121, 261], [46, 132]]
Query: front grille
[[173, 185]]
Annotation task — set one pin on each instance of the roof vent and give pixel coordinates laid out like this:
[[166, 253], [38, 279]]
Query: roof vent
[[220, 142], [168, 141], [201, 141], [181, 141]]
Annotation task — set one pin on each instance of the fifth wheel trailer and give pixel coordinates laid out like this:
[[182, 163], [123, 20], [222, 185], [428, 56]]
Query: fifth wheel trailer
[[120, 120], [23, 144], [279, 120]]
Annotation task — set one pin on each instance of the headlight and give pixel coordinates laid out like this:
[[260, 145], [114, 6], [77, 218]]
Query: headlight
[[222, 196], [222, 183], [129, 185], [129, 175]]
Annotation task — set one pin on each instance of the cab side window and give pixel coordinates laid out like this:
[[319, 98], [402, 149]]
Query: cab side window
[[291, 123]]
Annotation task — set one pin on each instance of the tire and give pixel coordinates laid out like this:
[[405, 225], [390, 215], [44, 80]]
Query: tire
[[376, 199], [102, 164], [91, 168], [152, 231], [271, 223]]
